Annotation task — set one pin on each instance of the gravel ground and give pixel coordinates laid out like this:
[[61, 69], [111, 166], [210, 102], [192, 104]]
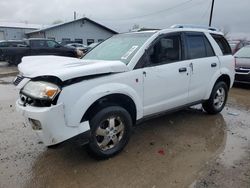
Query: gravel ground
[[184, 149]]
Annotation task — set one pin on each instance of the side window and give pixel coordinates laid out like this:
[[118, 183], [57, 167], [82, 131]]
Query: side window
[[223, 44], [165, 50], [51, 44], [38, 44], [3, 44], [196, 46], [209, 49]]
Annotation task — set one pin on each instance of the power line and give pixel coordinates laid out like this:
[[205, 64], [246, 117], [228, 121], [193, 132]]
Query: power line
[[150, 14]]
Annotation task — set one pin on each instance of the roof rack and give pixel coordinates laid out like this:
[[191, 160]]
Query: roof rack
[[194, 27]]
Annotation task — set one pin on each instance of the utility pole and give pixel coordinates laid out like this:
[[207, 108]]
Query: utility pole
[[74, 15], [211, 13]]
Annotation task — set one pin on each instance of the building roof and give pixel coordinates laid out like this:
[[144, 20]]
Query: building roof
[[65, 23], [20, 25]]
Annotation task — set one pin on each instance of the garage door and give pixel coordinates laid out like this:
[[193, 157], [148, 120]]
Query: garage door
[[2, 35]]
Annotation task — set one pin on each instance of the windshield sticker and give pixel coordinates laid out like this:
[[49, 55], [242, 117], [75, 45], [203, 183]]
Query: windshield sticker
[[128, 53]]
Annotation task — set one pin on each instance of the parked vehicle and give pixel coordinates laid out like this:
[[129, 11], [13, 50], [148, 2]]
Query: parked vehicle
[[78, 46], [35, 47], [242, 65], [10, 43], [122, 81], [238, 44]]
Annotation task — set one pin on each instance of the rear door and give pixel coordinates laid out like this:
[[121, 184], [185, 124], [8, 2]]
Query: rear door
[[166, 76], [203, 64]]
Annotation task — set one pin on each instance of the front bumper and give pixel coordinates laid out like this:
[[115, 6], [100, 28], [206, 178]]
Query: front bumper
[[244, 78], [53, 128]]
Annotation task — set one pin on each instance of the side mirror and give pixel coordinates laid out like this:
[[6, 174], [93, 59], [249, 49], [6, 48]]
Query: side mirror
[[57, 46]]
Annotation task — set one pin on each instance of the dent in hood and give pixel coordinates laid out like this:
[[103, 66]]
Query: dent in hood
[[66, 67]]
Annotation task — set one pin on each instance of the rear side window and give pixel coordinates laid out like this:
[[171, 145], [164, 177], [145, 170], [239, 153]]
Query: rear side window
[[209, 49], [223, 44]]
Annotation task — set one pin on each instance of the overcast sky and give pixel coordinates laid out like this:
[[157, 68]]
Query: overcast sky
[[121, 16]]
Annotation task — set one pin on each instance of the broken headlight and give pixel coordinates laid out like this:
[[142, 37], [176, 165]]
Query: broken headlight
[[41, 90]]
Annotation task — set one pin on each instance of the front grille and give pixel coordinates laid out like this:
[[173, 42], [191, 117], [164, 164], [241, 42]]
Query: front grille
[[17, 80]]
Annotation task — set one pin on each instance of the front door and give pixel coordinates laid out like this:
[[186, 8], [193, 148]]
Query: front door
[[166, 75]]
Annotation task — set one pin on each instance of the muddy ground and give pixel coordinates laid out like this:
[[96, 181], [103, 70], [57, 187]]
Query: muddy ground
[[184, 149]]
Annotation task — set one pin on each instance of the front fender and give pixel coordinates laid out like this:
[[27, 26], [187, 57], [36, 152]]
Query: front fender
[[85, 101]]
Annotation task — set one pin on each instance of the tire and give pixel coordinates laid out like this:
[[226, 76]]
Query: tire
[[110, 131], [14, 60], [217, 99]]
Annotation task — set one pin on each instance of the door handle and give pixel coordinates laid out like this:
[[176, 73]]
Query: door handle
[[213, 64], [183, 69]]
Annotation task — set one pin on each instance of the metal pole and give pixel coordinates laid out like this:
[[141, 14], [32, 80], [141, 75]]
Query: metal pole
[[74, 15], [211, 13]]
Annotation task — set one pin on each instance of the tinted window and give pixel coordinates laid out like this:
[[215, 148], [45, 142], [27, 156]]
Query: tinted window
[[223, 44], [3, 44], [196, 46], [165, 50], [209, 49], [38, 43], [51, 44]]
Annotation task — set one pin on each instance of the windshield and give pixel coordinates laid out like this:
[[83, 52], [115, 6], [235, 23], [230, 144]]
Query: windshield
[[119, 47], [243, 52]]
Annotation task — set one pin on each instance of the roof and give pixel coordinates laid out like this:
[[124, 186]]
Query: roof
[[65, 23], [20, 25]]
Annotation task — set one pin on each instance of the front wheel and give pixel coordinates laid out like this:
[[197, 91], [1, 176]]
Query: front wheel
[[217, 100], [110, 131]]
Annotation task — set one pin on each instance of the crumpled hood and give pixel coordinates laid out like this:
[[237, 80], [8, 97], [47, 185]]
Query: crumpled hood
[[66, 67]]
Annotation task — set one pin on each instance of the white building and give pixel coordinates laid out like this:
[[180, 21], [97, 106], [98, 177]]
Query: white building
[[16, 31], [84, 30]]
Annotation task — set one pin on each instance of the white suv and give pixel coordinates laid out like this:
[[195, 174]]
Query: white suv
[[123, 80]]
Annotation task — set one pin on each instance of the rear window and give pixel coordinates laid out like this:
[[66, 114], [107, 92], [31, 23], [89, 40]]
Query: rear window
[[223, 44]]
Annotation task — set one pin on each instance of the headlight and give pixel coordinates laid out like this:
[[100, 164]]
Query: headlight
[[41, 90]]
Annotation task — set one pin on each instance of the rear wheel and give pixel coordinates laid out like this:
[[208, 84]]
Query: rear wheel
[[110, 131], [217, 100]]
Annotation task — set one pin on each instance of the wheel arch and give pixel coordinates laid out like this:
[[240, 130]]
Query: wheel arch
[[223, 77], [118, 99]]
